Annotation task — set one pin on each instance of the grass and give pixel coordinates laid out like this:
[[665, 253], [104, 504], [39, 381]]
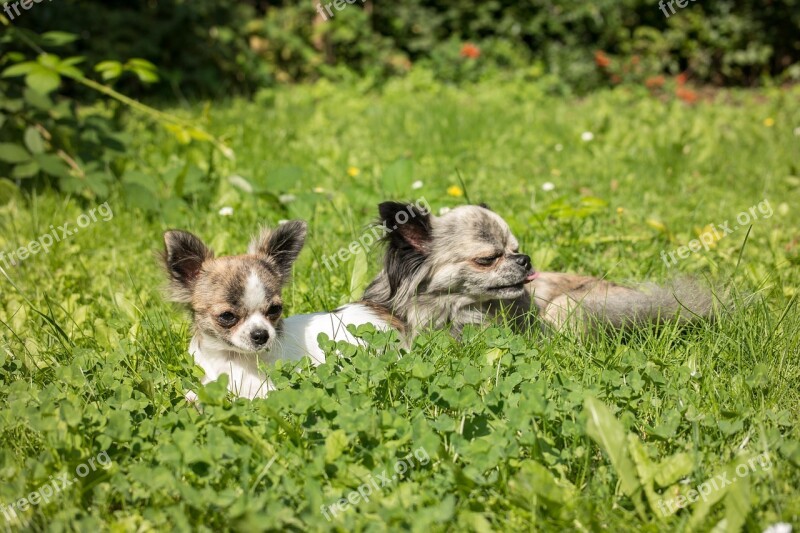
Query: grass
[[520, 431]]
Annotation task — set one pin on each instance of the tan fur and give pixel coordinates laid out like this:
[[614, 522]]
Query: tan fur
[[434, 274], [581, 302]]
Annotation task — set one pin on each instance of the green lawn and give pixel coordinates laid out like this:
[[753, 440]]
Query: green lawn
[[496, 432]]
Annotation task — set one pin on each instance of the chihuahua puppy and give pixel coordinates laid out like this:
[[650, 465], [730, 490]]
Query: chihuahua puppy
[[237, 308], [465, 266], [235, 302]]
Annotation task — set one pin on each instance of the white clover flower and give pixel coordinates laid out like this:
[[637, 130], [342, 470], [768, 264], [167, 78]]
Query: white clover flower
[[287, 198], [417, 185], [548, 186], [559, 147], [226, 211], [797, 131], [780, 527], [282, 221], [587, 136], [444, 211]]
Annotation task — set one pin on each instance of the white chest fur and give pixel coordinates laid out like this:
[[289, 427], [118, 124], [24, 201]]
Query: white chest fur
[[298, 339]]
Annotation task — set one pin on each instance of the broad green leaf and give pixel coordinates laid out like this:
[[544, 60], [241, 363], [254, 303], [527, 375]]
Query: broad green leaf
[[138, 196], [737, 504], [98, 183], [58, 38], [119, 426], [145, 76], [33, 140], [25, 170], [68, 71], [534, 479], [140, 63], [52, 165], [37, 99], [673, 468], [20, 69], [609, 433], [358, 276], [109, 70], [13, 153], [49, 60], [43, 80], [71, 61], [335, 444]]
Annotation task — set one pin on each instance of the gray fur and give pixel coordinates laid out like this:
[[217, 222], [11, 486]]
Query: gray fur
[[431, 279]]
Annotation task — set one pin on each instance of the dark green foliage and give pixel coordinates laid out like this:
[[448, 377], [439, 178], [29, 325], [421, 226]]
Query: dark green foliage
[[212, 47]]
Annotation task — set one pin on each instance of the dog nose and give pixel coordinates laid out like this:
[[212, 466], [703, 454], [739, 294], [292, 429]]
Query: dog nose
[[259, 336], [523, 260]]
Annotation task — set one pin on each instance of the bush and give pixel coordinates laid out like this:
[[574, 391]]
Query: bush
[[211, 47]]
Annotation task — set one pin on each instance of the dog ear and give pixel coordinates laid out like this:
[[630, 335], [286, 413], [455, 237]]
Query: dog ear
[[282, 245], [184, 255], [406, 225]]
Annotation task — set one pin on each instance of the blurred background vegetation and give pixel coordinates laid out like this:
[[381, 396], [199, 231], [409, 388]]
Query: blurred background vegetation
[[57, 55], [214, 48]]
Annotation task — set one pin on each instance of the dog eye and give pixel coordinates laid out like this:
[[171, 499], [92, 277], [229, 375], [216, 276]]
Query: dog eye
[[488, 261], [275, 310], [227, 319]]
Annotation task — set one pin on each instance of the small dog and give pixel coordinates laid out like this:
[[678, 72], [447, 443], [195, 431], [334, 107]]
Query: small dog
[[237, 308], [465, 266]]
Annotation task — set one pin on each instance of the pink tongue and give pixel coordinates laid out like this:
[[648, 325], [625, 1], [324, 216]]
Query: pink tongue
[[532, 276]]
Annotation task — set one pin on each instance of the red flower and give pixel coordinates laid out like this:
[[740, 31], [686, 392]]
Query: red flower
[[681, 78], [601, 59], [470, 50], [654, 82], [687, 95]]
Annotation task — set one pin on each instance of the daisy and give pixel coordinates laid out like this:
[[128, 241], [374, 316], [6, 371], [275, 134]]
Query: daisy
[[587, 136], [226, 211], [548, 186]]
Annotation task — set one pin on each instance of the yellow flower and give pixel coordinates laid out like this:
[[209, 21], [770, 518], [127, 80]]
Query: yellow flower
[[769, 122], [709, 235], [353, 172], [620, 210], [319, 190], [455, 190]]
